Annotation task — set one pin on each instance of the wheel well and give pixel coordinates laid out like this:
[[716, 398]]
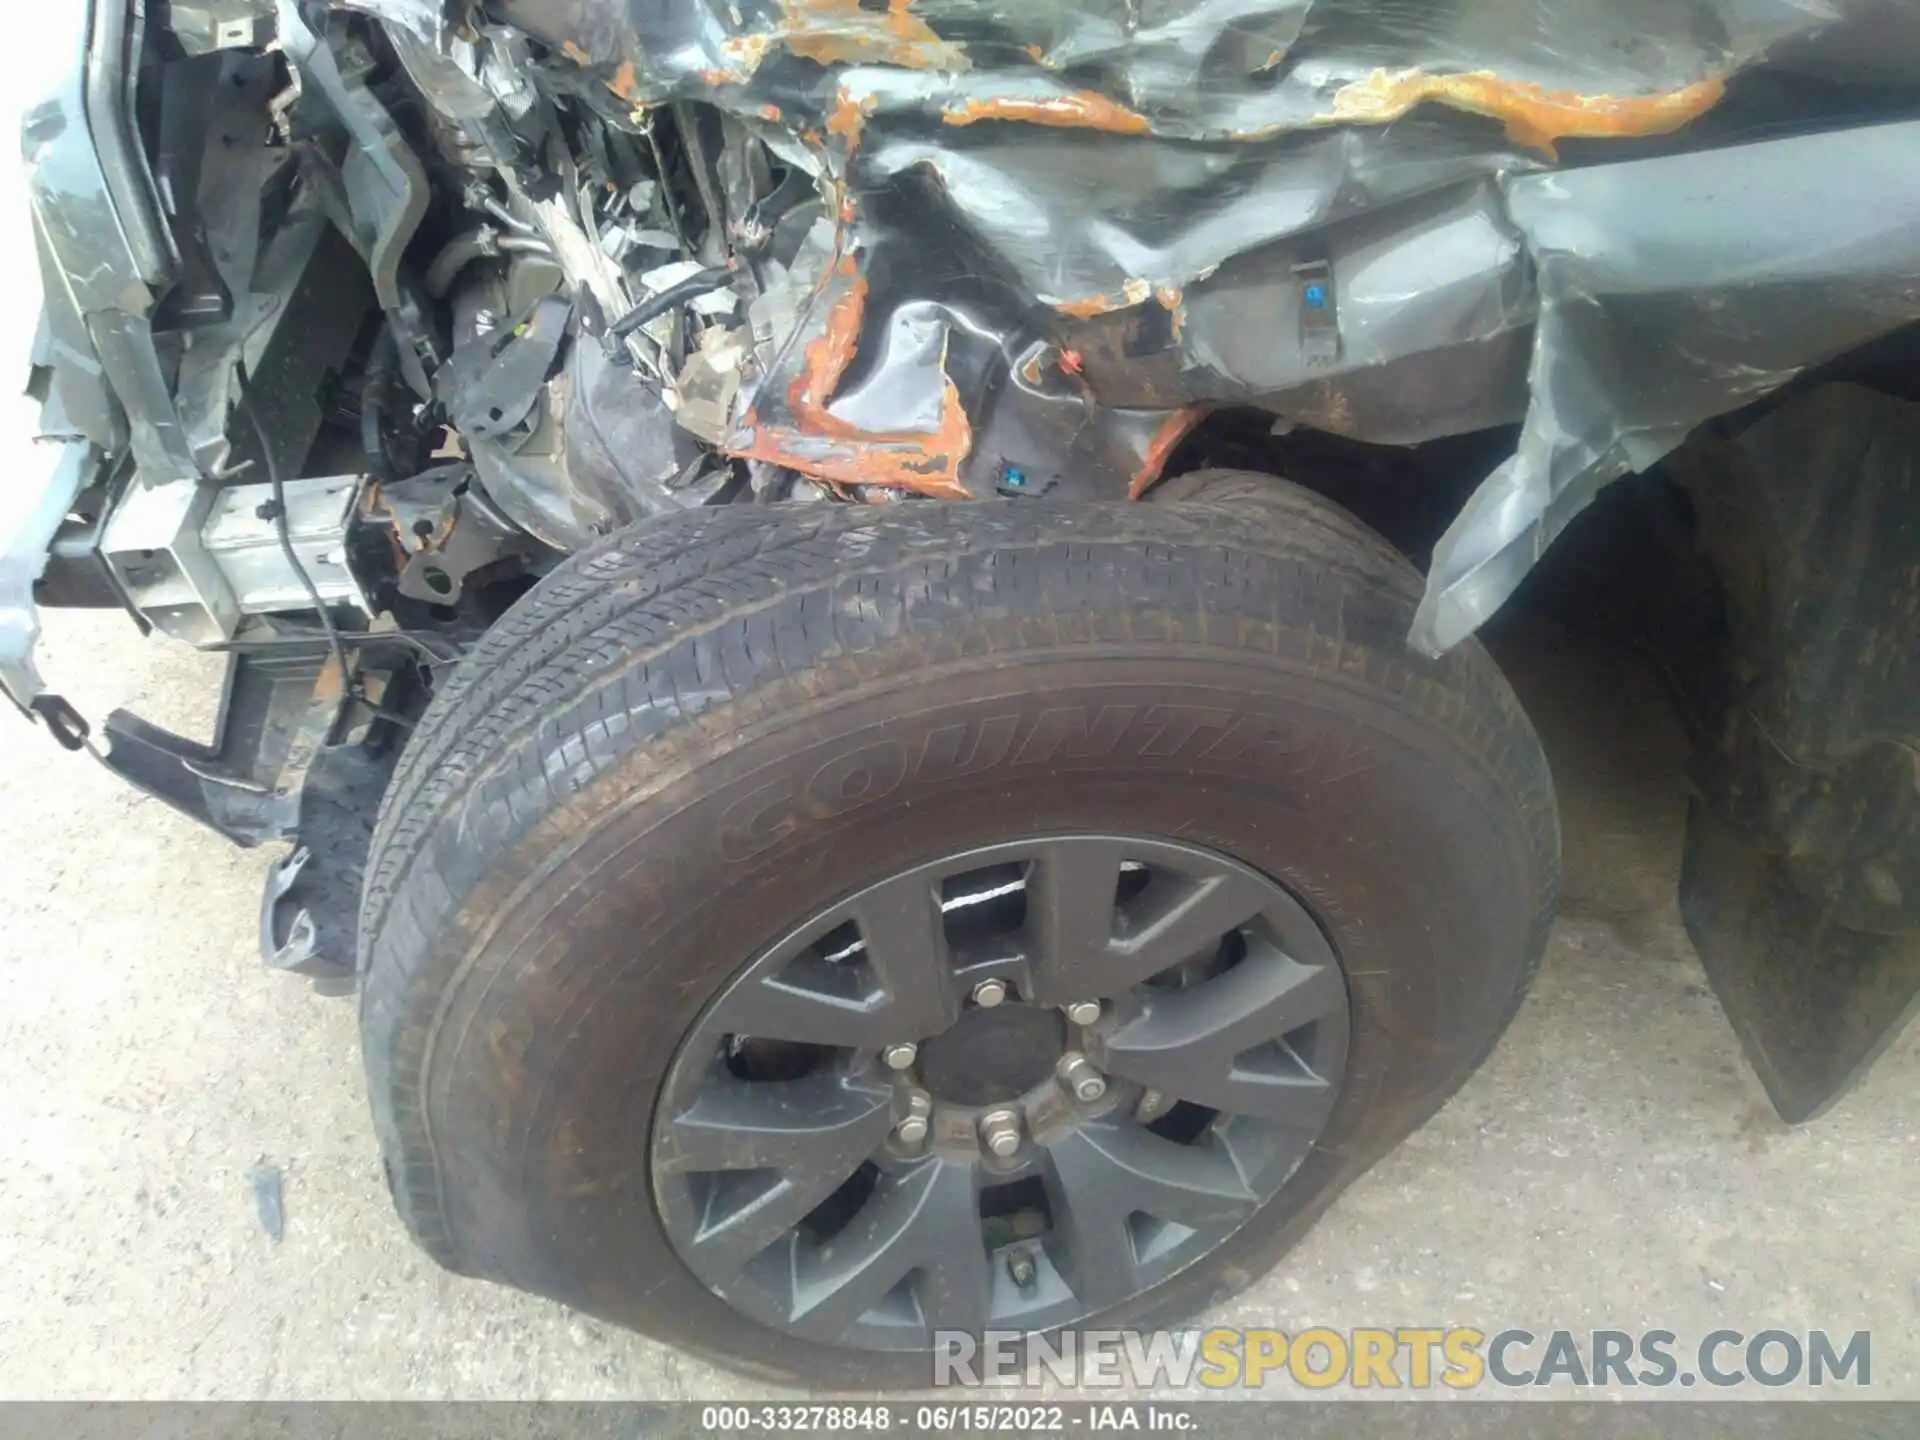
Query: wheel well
[[1407, 493], [1645, 529], [1769, 573]]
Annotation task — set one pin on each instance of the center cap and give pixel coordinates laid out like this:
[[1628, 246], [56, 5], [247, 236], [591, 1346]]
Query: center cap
[[991, 1056]]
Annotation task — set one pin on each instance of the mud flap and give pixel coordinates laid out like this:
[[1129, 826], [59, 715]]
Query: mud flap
[[1801, 884], [1814, 1005]]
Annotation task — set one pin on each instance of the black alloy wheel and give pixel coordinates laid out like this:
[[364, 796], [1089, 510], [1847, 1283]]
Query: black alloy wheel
[[1008, 1090]]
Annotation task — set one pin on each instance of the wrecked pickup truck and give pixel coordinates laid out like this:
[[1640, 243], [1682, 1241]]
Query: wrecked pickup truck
[[788, 582]]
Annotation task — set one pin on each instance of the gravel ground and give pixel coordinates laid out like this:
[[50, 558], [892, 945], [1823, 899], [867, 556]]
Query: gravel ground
[[1615, 1164]]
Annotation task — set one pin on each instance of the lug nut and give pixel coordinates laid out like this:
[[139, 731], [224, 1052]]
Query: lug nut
[[1000, 1132], [901, 1056], [1021, 1269], [1084, 1012], [989, 993], [912, 1131], [1080, 1077]]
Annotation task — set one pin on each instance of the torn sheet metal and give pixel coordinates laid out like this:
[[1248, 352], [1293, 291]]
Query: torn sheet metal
[[1061, 232], [1671, 291]]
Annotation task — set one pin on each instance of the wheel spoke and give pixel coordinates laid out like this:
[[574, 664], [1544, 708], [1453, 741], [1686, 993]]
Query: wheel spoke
[[1089, 948], [1103, 1176], [766, 1154], [783, 1007], [739, 1221], [925, 1220], [1070, 905], [897, 988], [907, 948], [1189, 921], [819, 1122], [1201, 1044]]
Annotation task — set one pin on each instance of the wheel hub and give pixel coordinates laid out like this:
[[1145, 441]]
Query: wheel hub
[[989, 1057], [1011, 1088]]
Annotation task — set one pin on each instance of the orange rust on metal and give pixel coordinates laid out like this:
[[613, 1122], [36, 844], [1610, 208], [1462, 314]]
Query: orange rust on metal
[[374, 506], [1175, 428], [928, 463], [574, 53], [828, 355], [844, 32], [1134, 292], [747, 51], [770, 112], [440, 536], [1534, 115], [1170, 297], [1079, 110], [625, 83], [329, 685], [849, 116], [1091, 306], [744, 54]]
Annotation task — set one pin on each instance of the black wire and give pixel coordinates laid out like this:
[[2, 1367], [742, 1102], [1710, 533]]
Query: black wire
[[279, 518], [382, 361], [692, 288]]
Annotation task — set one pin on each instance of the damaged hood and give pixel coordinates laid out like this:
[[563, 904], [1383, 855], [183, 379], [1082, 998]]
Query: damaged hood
[[1061, 234]]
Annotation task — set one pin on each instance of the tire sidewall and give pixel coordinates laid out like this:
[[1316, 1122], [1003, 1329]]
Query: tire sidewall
[[581, 964]]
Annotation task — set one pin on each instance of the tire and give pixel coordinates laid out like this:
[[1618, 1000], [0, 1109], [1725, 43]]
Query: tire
[[699, 733]]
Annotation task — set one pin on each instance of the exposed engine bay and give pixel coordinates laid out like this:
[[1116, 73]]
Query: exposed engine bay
[[363, 315], [486, 282]]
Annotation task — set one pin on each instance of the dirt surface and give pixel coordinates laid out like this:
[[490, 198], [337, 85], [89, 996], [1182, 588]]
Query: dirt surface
[[1615, 1164]]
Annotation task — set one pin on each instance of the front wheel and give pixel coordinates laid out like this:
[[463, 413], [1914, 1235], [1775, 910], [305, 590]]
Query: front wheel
[[795, 935]]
